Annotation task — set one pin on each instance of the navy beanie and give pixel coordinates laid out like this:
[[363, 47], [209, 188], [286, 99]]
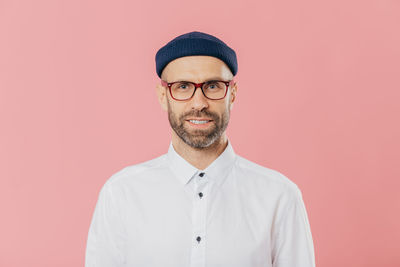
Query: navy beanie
[[195, 43]]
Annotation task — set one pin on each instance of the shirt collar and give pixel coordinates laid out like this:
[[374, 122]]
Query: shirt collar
[[216, 171]]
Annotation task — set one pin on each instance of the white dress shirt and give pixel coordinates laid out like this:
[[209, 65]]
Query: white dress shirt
[[166, 213]]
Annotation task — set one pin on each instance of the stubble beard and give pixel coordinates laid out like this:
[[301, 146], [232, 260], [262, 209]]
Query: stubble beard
[[199, 138]]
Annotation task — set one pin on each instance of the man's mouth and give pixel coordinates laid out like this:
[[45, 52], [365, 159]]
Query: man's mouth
[[199, 122]]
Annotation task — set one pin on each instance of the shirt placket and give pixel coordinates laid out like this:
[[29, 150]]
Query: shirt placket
[[199, 220]]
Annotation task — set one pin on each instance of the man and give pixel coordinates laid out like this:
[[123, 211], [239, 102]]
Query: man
[[200, 204]]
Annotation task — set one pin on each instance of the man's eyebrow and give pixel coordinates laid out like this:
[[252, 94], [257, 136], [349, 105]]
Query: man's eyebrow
[[214, 79], [207, 80]]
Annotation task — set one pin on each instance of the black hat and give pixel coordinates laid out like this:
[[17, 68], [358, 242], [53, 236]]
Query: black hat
[[195, 43]]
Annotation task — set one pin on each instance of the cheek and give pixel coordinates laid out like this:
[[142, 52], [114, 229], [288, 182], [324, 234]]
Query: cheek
[[225, 107], [176, 111]]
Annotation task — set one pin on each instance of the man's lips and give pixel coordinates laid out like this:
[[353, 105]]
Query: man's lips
[[205, 124], [199, 119]]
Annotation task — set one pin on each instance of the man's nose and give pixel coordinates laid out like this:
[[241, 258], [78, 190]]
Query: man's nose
[[199, 101]]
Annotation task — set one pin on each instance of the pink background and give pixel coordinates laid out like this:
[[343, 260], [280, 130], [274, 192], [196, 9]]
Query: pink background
[[318, 100]]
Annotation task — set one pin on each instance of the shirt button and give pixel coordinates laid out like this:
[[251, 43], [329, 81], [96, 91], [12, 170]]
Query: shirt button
[[201, 174], [200, 194], [198, 239]]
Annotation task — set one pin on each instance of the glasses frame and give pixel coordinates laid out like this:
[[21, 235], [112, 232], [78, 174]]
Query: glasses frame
[[197, 85]]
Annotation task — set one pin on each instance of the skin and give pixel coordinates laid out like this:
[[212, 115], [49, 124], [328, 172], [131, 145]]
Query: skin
[[200, 147]]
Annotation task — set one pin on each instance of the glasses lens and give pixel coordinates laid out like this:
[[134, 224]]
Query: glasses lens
[[214, 89], [182, 90]]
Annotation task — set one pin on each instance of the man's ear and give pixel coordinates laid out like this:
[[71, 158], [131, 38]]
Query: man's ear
[[162, 96], [233, 94]]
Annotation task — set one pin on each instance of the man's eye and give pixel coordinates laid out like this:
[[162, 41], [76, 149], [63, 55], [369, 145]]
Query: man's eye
[[214, 85], [183, 85]]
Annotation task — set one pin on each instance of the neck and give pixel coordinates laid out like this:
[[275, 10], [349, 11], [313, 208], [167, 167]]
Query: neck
[[199, 158]]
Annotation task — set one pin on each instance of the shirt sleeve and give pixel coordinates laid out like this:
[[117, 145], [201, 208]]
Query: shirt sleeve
[[293, 243], [106, 238]]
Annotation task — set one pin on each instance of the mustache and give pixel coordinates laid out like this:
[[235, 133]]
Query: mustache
[[200, 114]]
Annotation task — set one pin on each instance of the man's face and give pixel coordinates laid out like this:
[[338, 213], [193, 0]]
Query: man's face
[[197, 69]]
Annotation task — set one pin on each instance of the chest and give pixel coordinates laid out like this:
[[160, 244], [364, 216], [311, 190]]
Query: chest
[[198, 226]]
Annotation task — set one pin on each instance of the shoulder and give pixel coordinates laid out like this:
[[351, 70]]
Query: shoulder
[[265, 177], [132, 172]]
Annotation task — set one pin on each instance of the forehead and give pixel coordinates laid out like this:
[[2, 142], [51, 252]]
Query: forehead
[[196, 69]]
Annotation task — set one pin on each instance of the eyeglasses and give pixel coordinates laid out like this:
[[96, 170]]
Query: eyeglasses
[[184, 90]]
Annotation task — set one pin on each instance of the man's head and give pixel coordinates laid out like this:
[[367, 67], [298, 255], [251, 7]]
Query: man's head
[[197, 69]]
